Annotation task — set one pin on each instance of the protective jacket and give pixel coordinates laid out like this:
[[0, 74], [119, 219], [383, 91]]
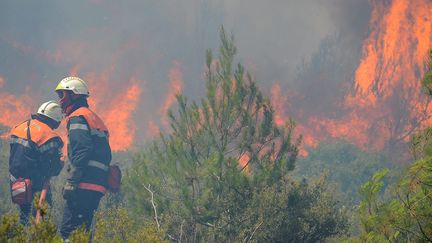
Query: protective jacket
[[88, 149], [37, 158]]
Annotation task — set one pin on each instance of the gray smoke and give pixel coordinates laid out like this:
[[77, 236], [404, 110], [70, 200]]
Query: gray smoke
[[278, 40]]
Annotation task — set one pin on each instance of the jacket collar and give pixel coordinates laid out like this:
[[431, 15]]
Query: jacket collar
[[46, 120], [76, 105]]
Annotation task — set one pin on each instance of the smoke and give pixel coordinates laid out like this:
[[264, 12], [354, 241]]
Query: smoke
[[126, 50], [381, 105]]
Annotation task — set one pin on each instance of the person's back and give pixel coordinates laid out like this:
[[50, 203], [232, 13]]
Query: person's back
[[35, 155]]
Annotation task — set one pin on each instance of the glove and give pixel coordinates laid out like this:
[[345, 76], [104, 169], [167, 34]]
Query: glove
[[69, 191], [71, 186]]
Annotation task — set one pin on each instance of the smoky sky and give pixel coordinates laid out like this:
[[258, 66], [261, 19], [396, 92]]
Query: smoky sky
[[278, 40]]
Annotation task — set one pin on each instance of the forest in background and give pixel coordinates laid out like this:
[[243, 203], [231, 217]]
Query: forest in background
[[227, 173]]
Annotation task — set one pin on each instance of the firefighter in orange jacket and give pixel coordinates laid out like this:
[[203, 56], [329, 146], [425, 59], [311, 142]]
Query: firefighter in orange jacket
[[35, 154], [89, 154]]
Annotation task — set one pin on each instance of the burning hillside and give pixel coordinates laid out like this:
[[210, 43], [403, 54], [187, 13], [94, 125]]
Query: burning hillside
[[13, 108], [385, 104], [134, 78]]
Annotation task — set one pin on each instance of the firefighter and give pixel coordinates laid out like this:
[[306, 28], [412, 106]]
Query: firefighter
[[89, 154], [35, 156]]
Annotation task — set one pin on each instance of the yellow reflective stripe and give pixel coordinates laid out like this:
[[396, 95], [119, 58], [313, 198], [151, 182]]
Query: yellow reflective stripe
[[48, 146], [78, 126], [98, 165], [21, 141], [18, 191], [97, 133]]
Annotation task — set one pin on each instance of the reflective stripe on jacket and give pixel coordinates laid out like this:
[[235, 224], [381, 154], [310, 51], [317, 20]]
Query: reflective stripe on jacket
[[40, 133], [88, 148], [35, 159]]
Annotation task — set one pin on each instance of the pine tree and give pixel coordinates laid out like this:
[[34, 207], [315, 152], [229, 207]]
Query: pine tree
[[224, 158]]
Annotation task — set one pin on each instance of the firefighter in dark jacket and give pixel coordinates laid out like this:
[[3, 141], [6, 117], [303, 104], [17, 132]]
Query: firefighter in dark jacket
[[89, 154], [35, 154]]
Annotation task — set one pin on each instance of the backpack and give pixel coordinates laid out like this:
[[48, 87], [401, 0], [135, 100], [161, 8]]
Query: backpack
[[114, 178], [21, 188]]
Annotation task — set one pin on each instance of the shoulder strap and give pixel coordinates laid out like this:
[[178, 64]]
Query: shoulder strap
[[29, 136]]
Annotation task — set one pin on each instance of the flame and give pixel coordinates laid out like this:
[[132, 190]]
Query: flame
[[153, 130], [384, 106], [244, 162], [115, 106], [281, 104], [278, 103], [115, 110], [395, 50], [175, 77], [14, 109], [118, 117], [386, 103]]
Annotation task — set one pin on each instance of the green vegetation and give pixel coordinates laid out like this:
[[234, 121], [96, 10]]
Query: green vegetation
[[6, 206], [427, 80], [112, 225], [116, 225], [223, 174], [405, 213], [227, 173], [344, 165]]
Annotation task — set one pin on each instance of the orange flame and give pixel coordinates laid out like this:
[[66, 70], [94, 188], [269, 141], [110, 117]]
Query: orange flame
[[153, 130], [244, 162], [114, 106], [281, 104], [118, 117], [14, 109], [278, 103], [388, 95], [175, 87], [386, 104]]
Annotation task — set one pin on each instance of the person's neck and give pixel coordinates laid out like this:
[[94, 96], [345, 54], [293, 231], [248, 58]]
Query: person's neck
[[76, 105]]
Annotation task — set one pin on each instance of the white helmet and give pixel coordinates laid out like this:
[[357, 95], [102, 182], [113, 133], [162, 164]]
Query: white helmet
[[52, 110], [74, 84]]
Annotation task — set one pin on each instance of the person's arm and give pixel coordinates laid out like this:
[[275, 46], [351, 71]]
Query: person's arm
[[51, 157], [80, 142]]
